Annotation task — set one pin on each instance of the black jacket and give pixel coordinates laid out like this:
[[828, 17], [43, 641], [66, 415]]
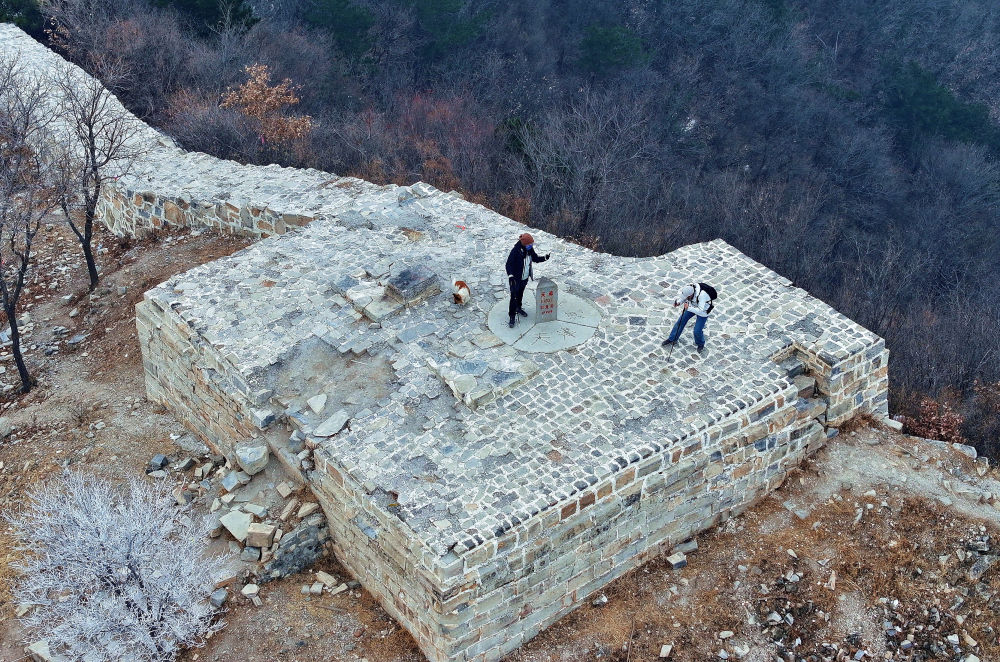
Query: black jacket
[[515, 261]]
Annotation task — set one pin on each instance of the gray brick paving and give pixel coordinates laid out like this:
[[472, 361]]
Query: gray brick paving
[[480, 458]]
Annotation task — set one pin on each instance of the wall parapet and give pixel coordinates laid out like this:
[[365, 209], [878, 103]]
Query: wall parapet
[[127, 212]]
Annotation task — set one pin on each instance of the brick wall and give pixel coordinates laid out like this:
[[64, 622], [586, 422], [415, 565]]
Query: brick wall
[[485, 601], [188, 376]]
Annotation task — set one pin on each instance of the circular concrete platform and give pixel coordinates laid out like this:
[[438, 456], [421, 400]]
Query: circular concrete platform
[[576, 321]]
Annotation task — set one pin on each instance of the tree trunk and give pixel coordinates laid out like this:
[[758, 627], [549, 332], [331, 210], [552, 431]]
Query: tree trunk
[[15, 337], [585, 217], [88, 253]]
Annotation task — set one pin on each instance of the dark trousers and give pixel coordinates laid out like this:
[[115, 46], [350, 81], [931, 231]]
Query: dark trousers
[[516, 295], [699, 328]]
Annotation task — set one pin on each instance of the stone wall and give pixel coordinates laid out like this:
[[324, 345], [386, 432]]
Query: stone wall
[[127, 212], [168, 186], [484, 603], [855, 379], [193, 380], [481, 598]]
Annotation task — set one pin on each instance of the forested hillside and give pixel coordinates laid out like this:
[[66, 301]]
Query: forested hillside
[[851, 146]]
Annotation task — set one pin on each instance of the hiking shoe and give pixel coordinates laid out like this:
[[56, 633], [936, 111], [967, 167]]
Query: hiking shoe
[[522, 312], [666, 342], [511, 322]]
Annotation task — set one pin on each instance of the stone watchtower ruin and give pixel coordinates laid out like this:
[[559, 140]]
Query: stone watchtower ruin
[[480, 481]]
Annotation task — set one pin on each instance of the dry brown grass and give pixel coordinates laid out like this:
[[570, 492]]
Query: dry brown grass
[[7, 559], [861, 422]]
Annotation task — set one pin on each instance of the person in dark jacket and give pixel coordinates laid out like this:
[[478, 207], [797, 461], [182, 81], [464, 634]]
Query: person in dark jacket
[[519, 272]]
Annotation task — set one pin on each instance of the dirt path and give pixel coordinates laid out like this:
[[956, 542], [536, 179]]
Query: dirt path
[[878, 533]]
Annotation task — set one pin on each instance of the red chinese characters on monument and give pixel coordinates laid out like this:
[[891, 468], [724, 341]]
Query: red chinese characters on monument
[[546, 301]]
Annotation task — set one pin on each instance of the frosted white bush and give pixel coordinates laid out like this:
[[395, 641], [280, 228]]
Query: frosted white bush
[[116, 572]]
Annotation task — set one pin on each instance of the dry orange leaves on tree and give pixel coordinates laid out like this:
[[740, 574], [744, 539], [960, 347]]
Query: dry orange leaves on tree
[[265, 103]]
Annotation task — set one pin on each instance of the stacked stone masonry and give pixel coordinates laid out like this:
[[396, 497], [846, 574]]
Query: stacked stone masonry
[[479, 492]]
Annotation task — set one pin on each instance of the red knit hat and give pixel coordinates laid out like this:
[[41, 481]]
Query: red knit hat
[[526, 239]]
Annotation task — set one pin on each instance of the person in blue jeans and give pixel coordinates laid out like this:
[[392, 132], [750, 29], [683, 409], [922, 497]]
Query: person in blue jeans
[[697, 300]]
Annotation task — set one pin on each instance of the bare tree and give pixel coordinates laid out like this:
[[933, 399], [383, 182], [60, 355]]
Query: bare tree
[[583, 161], [114, 573], [25, 195], [103, 146], [80, 27], [879, 286]]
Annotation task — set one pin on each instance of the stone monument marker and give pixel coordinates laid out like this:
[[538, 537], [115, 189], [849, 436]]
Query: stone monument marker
[[546, 301]]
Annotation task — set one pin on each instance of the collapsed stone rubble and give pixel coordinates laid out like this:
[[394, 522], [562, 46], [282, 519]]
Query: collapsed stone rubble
[[268, 526]]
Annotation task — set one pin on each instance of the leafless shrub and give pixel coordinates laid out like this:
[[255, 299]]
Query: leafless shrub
[[581, 162], [81, 413], [115, 572]]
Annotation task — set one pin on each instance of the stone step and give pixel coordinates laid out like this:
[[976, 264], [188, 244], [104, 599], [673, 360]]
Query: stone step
[[810, 408], [792, 366], [806, 386]]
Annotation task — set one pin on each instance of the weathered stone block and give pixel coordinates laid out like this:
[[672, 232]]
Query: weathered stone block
[[413, 284], [237, 523], [252, 456], [260, 535]]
